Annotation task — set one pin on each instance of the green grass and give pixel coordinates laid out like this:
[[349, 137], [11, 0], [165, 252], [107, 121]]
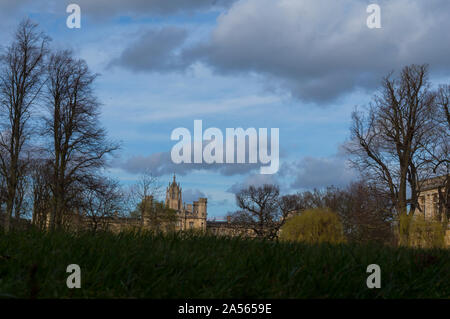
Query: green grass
[[33, 264]]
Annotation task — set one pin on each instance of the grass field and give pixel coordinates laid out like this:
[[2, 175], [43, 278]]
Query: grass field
[[33, 265]]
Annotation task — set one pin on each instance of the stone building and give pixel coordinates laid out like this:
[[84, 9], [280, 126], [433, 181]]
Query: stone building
[[189, 216], [434, 201], [228, 228]]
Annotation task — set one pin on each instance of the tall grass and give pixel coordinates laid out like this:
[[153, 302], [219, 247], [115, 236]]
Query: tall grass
[[143, 265]]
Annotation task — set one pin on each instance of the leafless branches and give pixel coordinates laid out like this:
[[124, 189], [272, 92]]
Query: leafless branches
[[102, 202], [262, 210], [78, 144], [21, 80], [394, 143]]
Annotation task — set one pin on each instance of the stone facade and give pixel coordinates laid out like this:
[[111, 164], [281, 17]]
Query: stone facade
[[189, 216], [431, 204], [434, 201], [227, 228]]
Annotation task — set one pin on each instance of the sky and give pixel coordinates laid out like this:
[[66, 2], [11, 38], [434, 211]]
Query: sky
[[301, 66]]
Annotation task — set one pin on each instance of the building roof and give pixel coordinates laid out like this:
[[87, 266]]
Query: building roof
[[433, 183]]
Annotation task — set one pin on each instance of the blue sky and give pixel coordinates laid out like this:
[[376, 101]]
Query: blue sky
[[301, 66]]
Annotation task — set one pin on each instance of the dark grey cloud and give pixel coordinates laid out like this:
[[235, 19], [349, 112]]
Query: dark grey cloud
[[306, 173], [312, 172], [320, 50], [155, 50]]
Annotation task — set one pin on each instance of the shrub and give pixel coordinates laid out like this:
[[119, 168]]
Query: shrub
[[426, 233], [314, 226]]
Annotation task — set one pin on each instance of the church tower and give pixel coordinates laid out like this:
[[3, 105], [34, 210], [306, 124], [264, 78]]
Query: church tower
[[173, 195]]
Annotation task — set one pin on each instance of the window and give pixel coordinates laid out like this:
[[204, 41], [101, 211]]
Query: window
[[435, 206], [424, 207], [422, 204], [191, 225]]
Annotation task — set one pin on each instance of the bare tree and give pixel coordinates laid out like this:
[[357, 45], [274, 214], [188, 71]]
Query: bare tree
[[78, 144], [439, 147], [262, 210], [147, 186], [365, 211], [440, 150], [444, 103], [144, 197], [20, 84], [40, 175], [22, 200], [3, 195], [156, 215], [101, 202], [388, 142], [314, 199]]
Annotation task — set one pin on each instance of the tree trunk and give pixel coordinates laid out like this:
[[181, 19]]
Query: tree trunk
[[403, 218]]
